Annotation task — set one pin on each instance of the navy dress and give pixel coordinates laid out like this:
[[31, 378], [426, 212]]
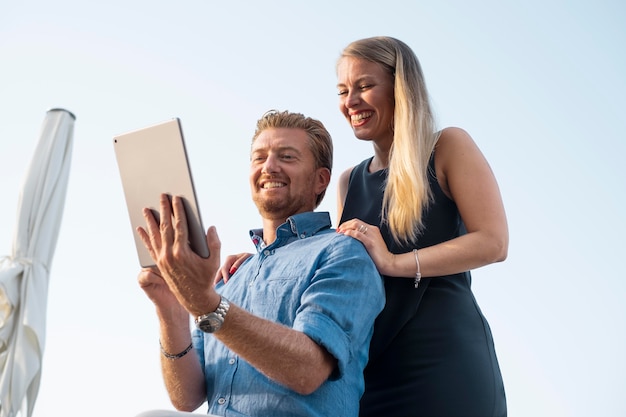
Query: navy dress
[[432, 353]]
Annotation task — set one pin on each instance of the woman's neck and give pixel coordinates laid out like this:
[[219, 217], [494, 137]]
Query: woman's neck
[[381, 157]]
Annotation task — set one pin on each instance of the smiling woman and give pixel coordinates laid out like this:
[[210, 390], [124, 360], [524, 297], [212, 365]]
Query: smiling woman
[[427, 208]]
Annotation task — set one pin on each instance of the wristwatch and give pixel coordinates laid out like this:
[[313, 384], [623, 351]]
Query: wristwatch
[[212, 322]]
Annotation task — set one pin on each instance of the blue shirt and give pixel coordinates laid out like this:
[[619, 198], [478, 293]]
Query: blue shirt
[[313, 280]]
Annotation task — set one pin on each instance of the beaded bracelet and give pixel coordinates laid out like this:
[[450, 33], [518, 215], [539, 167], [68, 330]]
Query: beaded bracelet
[[418, 274], [178, 355]]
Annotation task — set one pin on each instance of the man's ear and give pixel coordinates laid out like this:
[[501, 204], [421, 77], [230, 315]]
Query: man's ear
[[322, 176]]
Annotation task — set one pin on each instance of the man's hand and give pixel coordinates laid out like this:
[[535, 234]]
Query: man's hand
[[152, 283], [188, 276]]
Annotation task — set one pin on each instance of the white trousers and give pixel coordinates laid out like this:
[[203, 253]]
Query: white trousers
[[168, 413]]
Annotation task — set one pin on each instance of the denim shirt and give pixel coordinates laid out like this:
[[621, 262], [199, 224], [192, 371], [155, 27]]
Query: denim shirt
[[312, 280]]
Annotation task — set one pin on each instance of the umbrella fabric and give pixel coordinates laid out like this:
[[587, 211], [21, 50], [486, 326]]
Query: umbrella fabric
[[24, 274]]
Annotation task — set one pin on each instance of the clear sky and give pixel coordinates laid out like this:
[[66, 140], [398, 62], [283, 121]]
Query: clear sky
[[538, 84]]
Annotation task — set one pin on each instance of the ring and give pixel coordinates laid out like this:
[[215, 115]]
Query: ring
[[362, 228]]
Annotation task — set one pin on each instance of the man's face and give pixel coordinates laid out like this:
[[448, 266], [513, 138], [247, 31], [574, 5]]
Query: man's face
[[283, 177]]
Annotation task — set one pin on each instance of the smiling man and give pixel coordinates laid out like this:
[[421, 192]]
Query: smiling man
[[288, 335]]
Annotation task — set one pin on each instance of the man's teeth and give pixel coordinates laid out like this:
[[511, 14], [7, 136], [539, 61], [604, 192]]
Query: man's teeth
[[360, 116], [268, 185]]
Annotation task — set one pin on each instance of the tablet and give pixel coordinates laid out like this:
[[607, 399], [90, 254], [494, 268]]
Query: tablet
[[153, 161]]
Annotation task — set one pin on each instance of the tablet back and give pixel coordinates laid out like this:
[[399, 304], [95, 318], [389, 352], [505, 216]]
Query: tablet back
[[153, 161]]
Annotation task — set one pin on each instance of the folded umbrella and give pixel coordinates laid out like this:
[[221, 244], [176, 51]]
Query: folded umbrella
[[24, 274]]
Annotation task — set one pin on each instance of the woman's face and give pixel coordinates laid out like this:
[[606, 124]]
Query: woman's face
[[366, 98]]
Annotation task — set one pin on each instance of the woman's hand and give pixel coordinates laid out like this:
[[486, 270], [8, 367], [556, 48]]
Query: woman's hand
[[372, 239], [230, 266]]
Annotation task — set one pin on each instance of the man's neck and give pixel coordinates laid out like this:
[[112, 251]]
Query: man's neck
[[270, 225], [269, 229]]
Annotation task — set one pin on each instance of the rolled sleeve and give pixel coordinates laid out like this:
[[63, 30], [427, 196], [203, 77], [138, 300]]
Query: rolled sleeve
[[339, 307]]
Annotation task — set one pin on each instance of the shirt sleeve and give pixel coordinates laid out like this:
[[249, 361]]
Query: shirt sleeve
[[197, 339], [340, 305]]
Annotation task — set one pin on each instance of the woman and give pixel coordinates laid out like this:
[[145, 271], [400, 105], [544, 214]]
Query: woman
[[428, 209]]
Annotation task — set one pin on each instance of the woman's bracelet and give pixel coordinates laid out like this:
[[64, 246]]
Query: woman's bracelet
[[418, 274], [178, 355]]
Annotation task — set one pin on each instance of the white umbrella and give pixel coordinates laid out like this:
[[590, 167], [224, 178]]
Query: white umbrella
[[24, 274]]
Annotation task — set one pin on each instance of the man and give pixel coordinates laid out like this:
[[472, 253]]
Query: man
[[288, 335]]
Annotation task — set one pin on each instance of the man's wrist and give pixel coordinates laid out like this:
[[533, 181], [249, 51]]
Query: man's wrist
[[213, 321], [173, 315], [211, 304], [175, 356]]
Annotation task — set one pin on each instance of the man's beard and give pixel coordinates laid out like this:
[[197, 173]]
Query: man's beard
[[280, 209]]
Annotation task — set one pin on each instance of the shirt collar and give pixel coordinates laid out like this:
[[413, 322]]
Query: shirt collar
[[300, 226]]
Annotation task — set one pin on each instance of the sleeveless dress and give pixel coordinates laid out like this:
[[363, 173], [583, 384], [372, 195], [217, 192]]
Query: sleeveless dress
[[432, 353]]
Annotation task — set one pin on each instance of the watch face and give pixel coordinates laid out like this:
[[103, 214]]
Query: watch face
[[210, 323]]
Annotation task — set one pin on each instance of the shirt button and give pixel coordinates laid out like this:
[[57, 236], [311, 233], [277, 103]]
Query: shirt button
[[231, 361], [221, 401], [266, 253], [302, 236]]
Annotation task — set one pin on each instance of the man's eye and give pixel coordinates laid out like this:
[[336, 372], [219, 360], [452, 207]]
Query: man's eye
[[342, 92], [365, 86]]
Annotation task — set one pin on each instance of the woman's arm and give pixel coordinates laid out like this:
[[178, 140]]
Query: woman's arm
[[466, 178]]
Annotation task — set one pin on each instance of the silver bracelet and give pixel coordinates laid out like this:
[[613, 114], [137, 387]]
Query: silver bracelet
[[178, 355], [418, 274]]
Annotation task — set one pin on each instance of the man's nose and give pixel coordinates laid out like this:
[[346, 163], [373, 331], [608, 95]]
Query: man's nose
[[271, 165]]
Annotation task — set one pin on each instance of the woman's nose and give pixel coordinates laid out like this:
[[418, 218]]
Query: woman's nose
[[352, 99]]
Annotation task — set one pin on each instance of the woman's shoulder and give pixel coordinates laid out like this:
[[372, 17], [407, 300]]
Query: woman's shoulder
[[453, 140], [453, 133], [344, 177], [455, 148]]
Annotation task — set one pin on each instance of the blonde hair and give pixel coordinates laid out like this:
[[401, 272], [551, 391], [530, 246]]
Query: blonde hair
[[407, 192], [320, 141]]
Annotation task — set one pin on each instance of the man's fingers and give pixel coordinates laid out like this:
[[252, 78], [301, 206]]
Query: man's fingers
[[150, 235], [181, 230], [214, 243], [166, 218]]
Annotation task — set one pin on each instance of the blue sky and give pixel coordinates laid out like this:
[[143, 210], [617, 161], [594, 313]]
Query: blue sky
[[538, 84]]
